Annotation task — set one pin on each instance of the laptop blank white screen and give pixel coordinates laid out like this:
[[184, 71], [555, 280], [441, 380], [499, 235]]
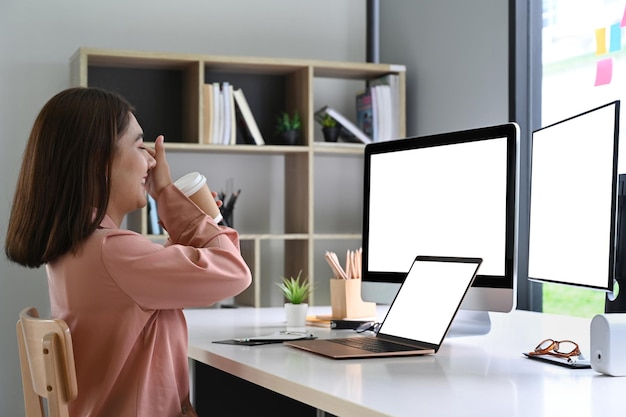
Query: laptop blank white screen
[[428, 300]]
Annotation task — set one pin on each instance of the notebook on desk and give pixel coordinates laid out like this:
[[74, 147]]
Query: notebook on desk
[[419, 317]]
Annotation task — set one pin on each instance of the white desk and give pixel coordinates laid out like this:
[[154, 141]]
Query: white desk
[[469, 376]]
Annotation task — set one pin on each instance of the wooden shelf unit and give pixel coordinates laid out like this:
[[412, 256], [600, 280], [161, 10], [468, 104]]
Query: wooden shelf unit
[[166, 89]]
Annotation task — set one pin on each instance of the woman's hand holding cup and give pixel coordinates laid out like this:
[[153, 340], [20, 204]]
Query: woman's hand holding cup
[[194, 186]]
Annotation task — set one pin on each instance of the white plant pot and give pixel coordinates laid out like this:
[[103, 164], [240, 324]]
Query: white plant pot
[[296, 316]]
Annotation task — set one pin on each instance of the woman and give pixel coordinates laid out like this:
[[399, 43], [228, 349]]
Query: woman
[[85, 167]]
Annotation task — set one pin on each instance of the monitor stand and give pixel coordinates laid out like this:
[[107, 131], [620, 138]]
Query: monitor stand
[[470, 323]]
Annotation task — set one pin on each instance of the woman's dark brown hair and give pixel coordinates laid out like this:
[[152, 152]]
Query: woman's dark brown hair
[[62, 191]]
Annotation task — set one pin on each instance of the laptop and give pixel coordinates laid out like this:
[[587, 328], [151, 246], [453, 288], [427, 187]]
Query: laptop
[[419, 317]]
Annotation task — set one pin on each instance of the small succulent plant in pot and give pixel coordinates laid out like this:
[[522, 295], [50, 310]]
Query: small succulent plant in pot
[[296, 292], [330, 128], [288, 127]]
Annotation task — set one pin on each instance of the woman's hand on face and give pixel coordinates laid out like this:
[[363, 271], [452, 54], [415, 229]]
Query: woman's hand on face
[[159, 175]]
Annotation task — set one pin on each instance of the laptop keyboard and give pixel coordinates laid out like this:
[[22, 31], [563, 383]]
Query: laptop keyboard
[[372, 344]]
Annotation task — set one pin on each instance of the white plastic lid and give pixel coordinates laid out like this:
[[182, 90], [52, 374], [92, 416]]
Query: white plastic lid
[[190, 183]]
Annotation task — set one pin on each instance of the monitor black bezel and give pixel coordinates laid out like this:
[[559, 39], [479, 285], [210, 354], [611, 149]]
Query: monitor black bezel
[[510, 131], [613, 227]]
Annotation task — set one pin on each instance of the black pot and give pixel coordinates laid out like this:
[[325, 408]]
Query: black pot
[[290, 137], [331, 134]]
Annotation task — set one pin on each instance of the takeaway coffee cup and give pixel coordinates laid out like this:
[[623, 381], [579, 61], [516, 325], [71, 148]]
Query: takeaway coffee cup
[[194, 186]]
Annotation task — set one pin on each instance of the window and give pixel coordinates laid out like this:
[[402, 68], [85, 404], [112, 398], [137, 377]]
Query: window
[[582, 65]]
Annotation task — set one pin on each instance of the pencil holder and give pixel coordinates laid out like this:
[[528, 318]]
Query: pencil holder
[[346, 301]]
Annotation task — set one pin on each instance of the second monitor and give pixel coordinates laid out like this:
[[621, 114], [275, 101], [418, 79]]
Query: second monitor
[[573, 234], [453, 194]]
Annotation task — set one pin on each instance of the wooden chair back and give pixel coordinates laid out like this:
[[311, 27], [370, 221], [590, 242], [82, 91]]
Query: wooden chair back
[[47, 363]]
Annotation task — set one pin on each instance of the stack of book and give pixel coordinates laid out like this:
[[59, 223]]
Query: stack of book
[[378, 109], [225, 110]]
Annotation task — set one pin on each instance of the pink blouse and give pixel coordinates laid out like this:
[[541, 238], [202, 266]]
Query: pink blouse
[[122, 296]]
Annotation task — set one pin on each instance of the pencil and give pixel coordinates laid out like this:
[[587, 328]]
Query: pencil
[[332, 260]]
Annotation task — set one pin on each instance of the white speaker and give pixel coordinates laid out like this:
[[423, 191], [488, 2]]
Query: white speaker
[[608, 344]]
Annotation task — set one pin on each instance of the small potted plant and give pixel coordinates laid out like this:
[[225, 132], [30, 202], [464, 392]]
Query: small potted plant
[[330, 128], [288, 127], [296, 291]]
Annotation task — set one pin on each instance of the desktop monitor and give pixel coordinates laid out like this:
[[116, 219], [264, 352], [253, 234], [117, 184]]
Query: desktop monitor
[[573, 226], [453, 194]]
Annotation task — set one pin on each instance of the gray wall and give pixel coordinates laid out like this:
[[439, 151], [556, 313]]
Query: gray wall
[[455, 54]]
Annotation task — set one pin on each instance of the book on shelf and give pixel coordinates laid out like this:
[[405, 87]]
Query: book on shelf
[[393, 81], [219, 114], [217, 129], [245, 120], [349, 131], [229, 134], [384, 116], [365, 113], [207, 110]]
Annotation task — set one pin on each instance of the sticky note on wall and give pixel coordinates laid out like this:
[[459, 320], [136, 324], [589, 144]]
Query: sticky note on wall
[[604, 71], [616, 38], [601, 41]]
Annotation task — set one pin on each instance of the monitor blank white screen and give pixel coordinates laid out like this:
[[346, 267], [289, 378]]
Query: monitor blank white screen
[[449, 200], [572, 191]]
